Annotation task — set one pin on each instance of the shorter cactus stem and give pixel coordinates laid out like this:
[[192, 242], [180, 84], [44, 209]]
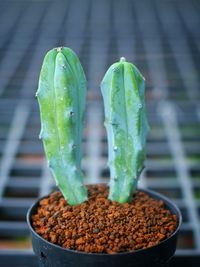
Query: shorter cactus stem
[[126, 123]]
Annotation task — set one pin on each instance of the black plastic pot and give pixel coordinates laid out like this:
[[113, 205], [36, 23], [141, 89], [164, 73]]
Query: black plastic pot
[[51, 255]]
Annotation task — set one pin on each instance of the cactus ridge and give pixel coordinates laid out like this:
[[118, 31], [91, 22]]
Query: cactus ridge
[[61, 95], [126, 125]]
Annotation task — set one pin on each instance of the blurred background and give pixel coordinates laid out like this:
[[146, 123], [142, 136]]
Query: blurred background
[[162, 38]]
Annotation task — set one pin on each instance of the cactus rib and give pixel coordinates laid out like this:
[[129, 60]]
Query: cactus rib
[[61, 95], [126, 125]]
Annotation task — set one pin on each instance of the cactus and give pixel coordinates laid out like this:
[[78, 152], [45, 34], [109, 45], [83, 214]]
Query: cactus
[[61, 95], [126, 125]]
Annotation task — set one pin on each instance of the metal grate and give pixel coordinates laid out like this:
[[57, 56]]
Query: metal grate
[[162, 38]]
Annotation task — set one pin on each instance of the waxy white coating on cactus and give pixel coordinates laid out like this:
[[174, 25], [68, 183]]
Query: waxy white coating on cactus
[[126, 123], [61, 96]]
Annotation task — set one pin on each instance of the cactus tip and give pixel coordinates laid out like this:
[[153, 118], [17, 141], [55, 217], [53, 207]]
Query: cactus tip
[[122, 59], [59, 49]]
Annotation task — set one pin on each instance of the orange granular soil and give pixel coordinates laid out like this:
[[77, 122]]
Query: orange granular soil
[[103, 226]]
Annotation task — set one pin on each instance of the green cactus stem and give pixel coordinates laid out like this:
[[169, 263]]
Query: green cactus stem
[[61, 96], [126, 124]]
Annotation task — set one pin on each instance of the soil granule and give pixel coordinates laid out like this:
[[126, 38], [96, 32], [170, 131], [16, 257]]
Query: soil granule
[[103, 226]]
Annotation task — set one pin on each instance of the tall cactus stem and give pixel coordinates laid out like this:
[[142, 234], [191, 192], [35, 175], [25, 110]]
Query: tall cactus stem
[[61, 96]]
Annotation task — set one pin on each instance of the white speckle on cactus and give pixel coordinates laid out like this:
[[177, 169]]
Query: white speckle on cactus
[[59, 49], [122, 59], [115, 148], [40, 135]]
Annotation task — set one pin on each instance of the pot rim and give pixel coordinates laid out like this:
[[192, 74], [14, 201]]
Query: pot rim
[[168, 203]]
